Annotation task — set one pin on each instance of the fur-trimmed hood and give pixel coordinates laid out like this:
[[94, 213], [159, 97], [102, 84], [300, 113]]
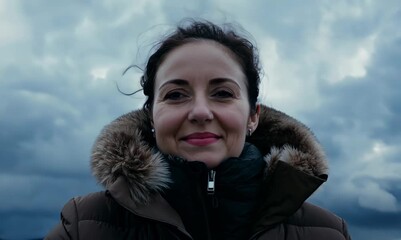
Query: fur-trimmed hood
[[125, 148]]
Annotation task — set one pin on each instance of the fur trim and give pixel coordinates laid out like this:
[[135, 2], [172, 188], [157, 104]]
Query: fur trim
[[304, 162], [121, 150], [125, 148], [282, 138]]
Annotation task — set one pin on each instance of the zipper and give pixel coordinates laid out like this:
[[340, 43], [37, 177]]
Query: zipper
[[211, 188], [201, 196], [211, 182]]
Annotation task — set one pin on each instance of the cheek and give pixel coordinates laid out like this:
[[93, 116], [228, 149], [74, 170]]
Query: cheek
[[166, 126], [162, 117], [235, 123], [235, 126]]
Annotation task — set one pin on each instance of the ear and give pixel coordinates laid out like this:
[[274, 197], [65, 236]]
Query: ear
[[253, 120]]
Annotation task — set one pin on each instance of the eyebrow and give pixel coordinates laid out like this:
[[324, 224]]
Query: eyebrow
[[217, 81], [214, 81], [174, 81]]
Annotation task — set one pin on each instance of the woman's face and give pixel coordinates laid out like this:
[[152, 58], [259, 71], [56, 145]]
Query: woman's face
[[201, 110]]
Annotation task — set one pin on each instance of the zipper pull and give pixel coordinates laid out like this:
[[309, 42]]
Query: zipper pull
[[210, 182]]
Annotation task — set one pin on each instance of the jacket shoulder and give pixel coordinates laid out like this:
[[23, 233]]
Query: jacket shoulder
[[97, 206], [310, 215], [71, 215], [94, 216], [92, 202], [99, 216]]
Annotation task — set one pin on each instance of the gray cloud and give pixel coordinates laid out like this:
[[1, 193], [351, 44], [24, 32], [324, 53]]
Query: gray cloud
[[359, 124]]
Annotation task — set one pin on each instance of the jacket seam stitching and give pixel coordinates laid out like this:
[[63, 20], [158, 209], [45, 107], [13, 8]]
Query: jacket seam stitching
[[311, 226]]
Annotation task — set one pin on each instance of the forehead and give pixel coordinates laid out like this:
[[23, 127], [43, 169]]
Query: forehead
[[200, 58]]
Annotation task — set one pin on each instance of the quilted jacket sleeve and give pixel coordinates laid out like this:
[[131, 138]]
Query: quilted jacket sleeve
[[345, 231], [68, 227]]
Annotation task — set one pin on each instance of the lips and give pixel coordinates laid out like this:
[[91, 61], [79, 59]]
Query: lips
[[201, 138]]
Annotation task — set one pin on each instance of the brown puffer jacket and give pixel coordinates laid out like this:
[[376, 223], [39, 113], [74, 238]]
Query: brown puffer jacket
[[132, 207]]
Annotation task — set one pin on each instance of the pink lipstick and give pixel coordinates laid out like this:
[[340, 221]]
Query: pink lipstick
[[201, 138]]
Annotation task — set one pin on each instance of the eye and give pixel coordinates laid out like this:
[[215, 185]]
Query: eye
[[223, 94], [174, 96]]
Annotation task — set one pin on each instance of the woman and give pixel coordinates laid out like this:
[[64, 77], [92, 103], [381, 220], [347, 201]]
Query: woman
[[203, 160]]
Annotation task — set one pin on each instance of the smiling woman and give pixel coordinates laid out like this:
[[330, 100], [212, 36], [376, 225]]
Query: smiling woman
[[202, 159], [206, 89]]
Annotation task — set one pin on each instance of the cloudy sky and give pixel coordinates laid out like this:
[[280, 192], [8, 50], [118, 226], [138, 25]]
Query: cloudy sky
[[335, 65]]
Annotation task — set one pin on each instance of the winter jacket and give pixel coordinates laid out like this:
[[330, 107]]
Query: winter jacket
[[136, 178]]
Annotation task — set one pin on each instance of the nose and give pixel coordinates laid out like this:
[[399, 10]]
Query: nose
[[200, 112]]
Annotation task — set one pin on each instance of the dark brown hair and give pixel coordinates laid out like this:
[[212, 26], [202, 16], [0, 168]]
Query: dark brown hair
[[189, 31]]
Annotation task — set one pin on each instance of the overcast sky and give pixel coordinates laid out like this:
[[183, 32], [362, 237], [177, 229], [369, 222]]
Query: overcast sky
[[335, 65]]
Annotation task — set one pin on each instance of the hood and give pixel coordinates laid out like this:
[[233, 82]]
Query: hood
[[280, 137], [125, 148]]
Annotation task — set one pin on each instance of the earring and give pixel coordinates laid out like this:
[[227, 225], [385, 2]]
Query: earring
[[249, 132], [153, 132]]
